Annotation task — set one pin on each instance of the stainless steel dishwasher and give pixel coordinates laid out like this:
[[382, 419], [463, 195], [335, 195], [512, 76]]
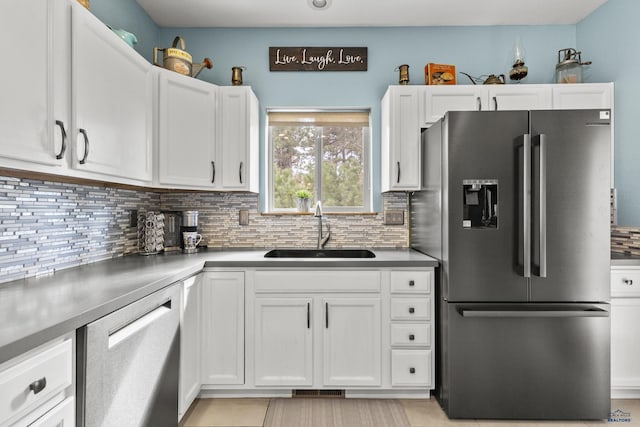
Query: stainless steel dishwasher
[[128, 364]]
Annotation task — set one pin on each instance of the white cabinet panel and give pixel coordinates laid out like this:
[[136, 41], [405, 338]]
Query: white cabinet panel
[[62, 415], [401, 139], [582, 96], [437, 100], [410, 308], [351, 343], [283, 342], [411, 334], [187, 132], [35, 96], [190, 339], [411, 281], [411, 368], [519, 97], [112, 102], [223, 328], [625, 346]]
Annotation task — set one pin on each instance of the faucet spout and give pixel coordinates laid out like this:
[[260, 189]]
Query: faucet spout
[[322, 240]]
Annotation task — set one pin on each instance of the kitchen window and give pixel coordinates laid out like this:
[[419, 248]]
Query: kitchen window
[[326, 152]]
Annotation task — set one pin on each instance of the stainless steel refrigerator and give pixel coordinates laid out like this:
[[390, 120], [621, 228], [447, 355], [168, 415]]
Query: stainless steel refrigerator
[[515, 205]]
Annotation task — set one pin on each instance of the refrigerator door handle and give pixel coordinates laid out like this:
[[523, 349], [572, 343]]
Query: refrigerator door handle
[[543, 312], [542, 205], [526, 205]]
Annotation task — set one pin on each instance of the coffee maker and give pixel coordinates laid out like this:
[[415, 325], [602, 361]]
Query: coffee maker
[[189, 223]]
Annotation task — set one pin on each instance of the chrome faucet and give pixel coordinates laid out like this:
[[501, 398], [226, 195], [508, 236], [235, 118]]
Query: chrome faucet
[[322, 240]]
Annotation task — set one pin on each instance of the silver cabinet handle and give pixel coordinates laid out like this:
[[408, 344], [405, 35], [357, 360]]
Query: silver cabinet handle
[[38, 385], [60, 155], [240, 172], [129, 330], [398, 178], [495, 102], [479, 103], [213, 171], [86, 146], [628, 282]]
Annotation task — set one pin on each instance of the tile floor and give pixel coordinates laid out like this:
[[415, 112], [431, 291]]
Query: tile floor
[[421, 413]]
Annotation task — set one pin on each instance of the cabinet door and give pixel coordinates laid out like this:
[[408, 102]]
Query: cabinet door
[[223, 328], [625, 345], [112, 101], [351, 344], [28, 130], [238, 138], [400, 139], [190, 379], [283, 342], [582, 96], [519, 97], [437, 100], [186, 132]]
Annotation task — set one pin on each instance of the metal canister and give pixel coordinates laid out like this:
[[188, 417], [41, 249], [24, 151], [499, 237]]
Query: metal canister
[[404, 74], [174, 58], [190, 218], [236, 75]]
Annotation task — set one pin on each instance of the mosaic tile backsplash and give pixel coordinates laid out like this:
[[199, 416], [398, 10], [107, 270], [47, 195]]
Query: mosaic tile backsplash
[[47, 226]]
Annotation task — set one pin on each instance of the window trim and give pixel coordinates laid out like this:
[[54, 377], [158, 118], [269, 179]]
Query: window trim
[[367, 154]]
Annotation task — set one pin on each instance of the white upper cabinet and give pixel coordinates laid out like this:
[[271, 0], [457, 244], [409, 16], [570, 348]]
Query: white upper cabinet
[[518, 97], [112, 102], [437, 100], [400, 169], [187, 132], [34, 113], [238, 143], [583, 96]]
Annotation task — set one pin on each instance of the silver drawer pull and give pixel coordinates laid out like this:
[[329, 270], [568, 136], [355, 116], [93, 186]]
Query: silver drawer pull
[[412, 370], [38, 385], [628, 282]]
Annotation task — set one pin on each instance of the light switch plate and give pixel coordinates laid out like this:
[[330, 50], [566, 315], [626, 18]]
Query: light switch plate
[[393, 217], [243, 217]]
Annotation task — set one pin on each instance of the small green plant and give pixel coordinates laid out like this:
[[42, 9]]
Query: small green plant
[[303, 194]]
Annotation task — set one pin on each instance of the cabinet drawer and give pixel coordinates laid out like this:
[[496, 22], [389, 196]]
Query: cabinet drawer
[[317, 281], [625, 282], [410, 367], [31, 382], [411, 308], [63, 415], [411, 281], [411, 334]]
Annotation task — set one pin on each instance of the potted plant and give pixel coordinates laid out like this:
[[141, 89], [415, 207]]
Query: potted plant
[[304, 200]]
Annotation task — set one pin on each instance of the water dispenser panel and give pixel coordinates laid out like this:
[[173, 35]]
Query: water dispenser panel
[[480, 203]]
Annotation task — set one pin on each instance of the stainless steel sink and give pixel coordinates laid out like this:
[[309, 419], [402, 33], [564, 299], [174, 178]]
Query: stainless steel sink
[[319, 253]]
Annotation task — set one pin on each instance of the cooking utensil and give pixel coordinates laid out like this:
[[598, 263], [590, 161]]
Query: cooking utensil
[[492, 79]]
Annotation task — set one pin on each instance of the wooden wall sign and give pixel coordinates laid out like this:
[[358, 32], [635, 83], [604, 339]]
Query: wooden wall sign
[[317, 59]]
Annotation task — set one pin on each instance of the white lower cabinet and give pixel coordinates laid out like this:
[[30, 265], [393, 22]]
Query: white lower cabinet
[[625, 344], [223, 328], [36, 388], [351, 342], [283, 342], [190, 349], [411, 368]]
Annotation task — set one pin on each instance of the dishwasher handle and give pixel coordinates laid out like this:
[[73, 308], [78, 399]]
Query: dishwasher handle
[[138, 324]]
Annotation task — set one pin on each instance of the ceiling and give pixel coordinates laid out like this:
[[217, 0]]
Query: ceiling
[[365, 13]]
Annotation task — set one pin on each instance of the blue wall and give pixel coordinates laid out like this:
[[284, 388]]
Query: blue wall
[[610, 36], [128, 15], [475, 50]]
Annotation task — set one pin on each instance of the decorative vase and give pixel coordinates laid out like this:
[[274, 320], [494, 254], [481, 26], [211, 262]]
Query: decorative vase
[[304, 205]]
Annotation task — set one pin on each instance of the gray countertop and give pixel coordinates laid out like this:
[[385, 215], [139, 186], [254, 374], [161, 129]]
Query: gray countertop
[[618, 259], [38, 309]]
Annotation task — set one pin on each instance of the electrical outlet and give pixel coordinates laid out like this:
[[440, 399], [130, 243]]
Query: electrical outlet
[[393, 217], [243, 217], [133, 218]]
